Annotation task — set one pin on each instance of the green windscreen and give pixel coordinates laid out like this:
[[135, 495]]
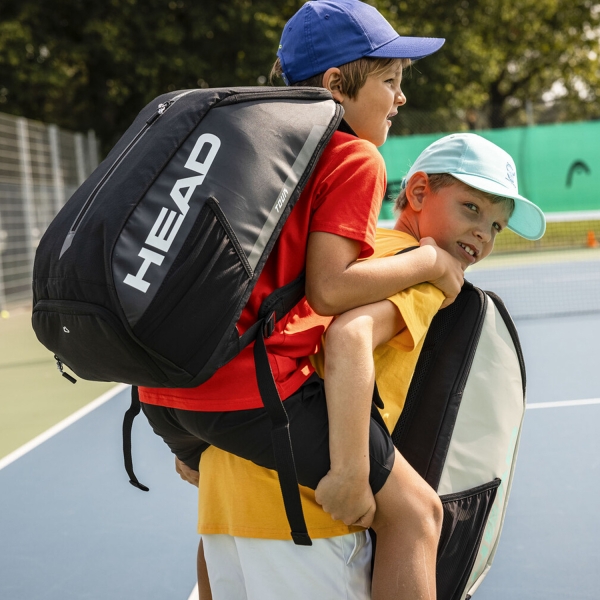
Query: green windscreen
[[558, 165]]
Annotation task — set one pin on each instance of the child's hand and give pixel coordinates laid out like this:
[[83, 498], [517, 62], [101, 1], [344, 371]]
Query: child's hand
[[452, 276], [347, 498], [186, 473]]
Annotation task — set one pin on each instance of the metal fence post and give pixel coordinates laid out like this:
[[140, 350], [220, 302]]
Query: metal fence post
[[2, 245], [79, 158], [27, 188], [57, 177], [92, 150]]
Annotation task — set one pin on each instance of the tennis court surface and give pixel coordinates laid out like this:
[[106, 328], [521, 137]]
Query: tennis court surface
[[71, 526]]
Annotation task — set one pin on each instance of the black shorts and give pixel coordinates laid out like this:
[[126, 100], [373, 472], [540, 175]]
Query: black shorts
[[247, 433]]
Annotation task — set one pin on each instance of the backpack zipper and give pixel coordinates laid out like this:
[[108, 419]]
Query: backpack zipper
[[160, 110], [59, 366]]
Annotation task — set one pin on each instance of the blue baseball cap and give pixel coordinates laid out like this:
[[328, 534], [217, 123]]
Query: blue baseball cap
[[484, 166], [327, 33]]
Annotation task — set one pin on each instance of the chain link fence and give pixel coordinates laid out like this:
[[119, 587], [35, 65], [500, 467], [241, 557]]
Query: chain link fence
[[40, 167]]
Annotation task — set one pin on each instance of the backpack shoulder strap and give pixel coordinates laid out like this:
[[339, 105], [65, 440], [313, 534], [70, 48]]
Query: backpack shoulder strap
[[282, 443]]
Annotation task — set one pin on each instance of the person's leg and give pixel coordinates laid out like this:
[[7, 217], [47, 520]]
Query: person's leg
[[338, 567], [409, 514], [247, 433], [185, 445], [224, 570], [204, 591], [408, 522]]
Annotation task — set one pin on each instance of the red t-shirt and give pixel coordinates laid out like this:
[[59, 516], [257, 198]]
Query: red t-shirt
[[343, 197]]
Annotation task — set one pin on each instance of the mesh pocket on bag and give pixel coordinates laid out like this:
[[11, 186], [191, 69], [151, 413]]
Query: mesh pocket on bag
[[465, 516]]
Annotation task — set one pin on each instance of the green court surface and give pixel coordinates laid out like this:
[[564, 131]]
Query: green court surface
[[33, 395]]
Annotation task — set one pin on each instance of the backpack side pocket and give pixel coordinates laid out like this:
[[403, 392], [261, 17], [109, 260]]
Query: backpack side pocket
[[465, 516]]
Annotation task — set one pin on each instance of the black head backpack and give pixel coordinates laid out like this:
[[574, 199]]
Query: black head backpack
[[162, 245]]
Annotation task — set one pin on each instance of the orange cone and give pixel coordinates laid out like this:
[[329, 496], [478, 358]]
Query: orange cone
[[592, 242]]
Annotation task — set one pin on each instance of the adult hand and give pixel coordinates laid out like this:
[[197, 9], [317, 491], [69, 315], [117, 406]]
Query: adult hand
[[346, 498], [451, 275], [186, 473]]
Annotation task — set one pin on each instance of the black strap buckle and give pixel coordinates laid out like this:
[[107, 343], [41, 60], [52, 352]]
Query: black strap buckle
[[269, 325]]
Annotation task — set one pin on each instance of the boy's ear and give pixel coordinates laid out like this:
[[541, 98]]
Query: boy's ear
[[417, 189], [332, 81]]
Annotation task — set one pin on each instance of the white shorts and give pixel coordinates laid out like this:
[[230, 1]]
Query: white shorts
[[336, 568]]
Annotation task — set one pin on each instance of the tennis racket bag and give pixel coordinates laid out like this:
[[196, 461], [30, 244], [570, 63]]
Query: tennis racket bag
[[460, 430], [143, 274]]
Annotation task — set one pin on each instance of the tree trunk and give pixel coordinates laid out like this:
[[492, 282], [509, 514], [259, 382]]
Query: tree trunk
[[497, 114]]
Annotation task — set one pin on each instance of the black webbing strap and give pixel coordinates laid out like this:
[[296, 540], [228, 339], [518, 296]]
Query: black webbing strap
[[280, 435], [409, 249], [130, 415], [280, 301], [377, 401]]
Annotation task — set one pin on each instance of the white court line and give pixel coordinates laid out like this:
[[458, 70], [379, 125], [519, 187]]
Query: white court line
[[195, 593], [563, 403], [40, 439]]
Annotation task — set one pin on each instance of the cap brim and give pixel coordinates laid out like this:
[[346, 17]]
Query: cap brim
[[527, 219], [408, 47]]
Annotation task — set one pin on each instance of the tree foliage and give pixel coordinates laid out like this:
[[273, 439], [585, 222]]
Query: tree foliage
[[500, 54], [87, 64]]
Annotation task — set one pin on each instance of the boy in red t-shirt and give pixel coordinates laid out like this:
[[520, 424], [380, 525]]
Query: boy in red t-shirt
[[348, 48]]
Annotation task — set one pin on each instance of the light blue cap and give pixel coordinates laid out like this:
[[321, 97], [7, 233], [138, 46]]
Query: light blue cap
[[484, 166]]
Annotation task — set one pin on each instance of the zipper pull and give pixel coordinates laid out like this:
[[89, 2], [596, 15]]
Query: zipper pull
[[162, 107], [159, 111], [59, 366]]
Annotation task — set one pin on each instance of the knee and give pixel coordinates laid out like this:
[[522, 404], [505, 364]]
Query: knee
[[416, 509], [425, 512], [436, 514]]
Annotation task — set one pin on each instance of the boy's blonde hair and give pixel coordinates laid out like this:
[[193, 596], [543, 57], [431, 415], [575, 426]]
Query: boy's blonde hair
[[437, 181], [353, 74]]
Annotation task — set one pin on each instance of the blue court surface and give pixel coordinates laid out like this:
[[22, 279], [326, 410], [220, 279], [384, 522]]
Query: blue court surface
[[71, 526]]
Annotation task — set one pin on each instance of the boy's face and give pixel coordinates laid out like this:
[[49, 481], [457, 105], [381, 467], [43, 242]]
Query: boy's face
[[376, 103], [462, 222]]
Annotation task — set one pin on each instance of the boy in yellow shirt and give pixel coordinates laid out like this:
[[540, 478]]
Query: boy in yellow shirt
[[461, 192]]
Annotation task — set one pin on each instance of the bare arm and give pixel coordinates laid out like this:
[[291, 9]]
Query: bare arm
[[349, 378], [336, 283]]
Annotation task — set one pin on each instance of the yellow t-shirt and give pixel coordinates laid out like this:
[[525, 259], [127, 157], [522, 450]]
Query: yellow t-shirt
[[239, 498]]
